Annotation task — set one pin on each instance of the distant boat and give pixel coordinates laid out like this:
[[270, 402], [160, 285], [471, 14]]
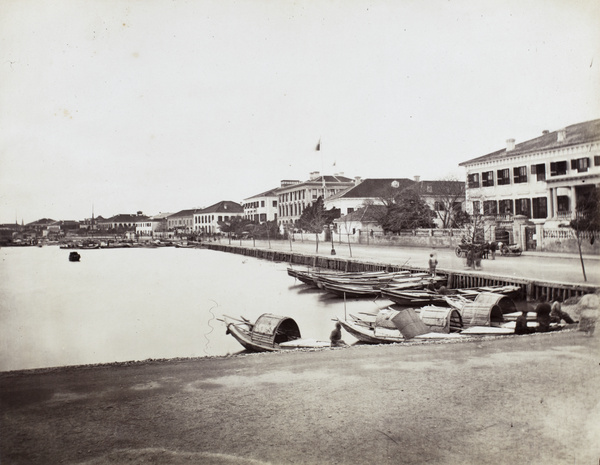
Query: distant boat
[[74, 257]]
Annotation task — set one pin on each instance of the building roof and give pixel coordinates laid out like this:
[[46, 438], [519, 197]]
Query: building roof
[[269, 193], [443, 187], [375, 187], [183, 213], [317, 181], [224, 206], [125, 218], [579, 133], [367, 213]]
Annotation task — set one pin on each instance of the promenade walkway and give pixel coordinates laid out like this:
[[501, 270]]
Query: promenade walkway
[[553, 267]]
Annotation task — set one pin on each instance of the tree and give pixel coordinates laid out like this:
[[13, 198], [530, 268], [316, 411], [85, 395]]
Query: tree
[[235, 225], [405, 209], [450, 195], [314, 218], [587, 221]]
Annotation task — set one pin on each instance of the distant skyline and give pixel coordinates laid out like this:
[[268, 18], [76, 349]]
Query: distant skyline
[[163, 105]]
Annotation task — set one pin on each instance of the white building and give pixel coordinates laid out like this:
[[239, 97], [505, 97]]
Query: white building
[[438, 195], [535, 185], [261, 207], [152, 226], [295, 196], [207, 220], [541, 179]]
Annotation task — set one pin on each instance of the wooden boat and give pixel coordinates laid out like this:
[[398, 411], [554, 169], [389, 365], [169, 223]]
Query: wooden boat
[[422, 297], [413, 297], [313, 277], [359, 289], [269, 333], [367, 331], [74, 257]]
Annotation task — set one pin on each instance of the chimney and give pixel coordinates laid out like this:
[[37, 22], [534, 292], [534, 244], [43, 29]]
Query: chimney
[[545, 131], [417, 178], [510, 144], [314, 175], [561, 134], [357, 180]]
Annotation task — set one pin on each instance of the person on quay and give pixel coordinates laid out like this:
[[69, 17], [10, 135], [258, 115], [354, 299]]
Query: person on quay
[[336, 336], [493, 248], [557, 314], [432, 264], [521, 324], [543, 311]]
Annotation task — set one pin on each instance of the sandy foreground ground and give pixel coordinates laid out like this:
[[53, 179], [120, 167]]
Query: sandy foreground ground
[[530, 399]]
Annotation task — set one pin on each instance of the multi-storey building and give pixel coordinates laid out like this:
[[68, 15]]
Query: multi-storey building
[[207, 220], [182, 221], [261, 207], [295, 196], [538, 181], [150, 227], [438, 195], [123, 221]]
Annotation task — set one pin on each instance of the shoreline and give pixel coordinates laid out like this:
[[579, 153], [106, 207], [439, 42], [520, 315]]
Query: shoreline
[[360, 346]]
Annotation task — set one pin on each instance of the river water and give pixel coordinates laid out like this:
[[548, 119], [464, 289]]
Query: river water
[[135, 304]]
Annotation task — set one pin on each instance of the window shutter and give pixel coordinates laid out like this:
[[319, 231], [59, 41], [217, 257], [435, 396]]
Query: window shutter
[[596, 160], [573, 164], [552, 169], [533, 169]]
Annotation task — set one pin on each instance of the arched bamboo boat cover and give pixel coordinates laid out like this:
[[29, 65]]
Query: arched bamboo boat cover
[[272, 329], [441, 319], [487, 309]]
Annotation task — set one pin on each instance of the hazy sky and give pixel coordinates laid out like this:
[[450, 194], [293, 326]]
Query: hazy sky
[[160, 105]]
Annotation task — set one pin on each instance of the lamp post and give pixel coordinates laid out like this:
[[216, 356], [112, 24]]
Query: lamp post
[[331, 234]]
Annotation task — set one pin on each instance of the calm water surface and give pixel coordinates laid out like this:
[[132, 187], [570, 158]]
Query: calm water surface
[[135, 304]]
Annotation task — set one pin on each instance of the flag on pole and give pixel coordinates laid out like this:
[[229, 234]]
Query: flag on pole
[[318, 147]]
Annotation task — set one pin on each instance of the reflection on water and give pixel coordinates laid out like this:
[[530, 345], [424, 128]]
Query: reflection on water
[[135, 304]]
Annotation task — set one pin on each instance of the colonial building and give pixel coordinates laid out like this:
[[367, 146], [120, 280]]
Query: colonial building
[[261, 207], [123, 221], [535, 182], [182, 221], [295, 196], [438, 195], [153, 226], [207, 220]]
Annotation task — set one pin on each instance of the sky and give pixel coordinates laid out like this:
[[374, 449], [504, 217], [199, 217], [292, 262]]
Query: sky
[[158, 106]]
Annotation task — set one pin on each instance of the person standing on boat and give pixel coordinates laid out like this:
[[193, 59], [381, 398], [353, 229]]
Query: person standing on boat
[[336, 336]]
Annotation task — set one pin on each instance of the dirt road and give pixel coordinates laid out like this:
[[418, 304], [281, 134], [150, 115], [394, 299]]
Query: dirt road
[[519, 399]]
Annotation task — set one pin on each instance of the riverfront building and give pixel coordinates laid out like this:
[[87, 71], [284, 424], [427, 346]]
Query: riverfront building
[[183, 221], [207, 220], [261, 207], [295, 196], [153, 226], [440, 196], [526, 189]]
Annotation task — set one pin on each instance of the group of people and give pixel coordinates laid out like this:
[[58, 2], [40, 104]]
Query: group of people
[[546, 313]]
